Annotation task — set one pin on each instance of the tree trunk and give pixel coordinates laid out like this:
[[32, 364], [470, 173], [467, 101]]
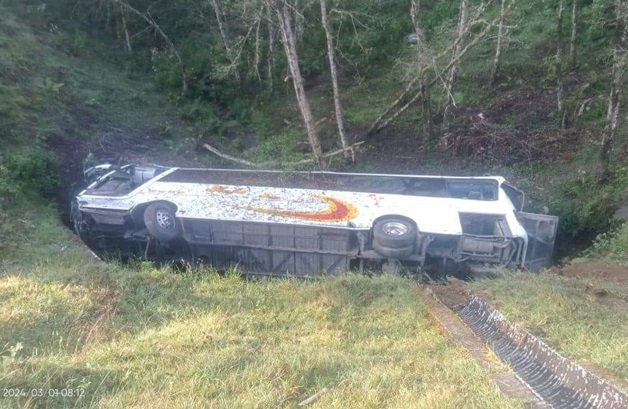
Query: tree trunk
[[271, 48], [498, 47], [573, 51], [453, 71], [414, 15], [424, 85], [558, 64], [427, 109], [225, 39], [334, 77], [289, 43], [257, 58], [127, 37], [617, 79]]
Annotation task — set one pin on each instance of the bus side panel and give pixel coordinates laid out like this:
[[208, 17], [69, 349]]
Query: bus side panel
[[271, 248]]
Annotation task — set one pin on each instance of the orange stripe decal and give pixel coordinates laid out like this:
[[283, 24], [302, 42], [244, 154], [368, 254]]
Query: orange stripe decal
[[227, 189], [337, 211]]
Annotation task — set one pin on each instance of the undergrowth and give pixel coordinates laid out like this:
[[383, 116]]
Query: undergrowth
[[611, 245]]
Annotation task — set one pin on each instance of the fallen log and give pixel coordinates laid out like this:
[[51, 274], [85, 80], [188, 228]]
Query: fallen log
[[276, 164]]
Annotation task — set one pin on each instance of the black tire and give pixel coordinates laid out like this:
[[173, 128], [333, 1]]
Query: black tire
[[161, 222], [392, 252], [394, 232]]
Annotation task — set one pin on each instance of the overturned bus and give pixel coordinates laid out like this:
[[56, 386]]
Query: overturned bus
[[310, 223]]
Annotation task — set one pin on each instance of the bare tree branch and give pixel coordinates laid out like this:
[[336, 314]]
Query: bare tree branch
[[376, 126], [150, 21], [558, 63], [573, 51], [276, 164], [498, 46], [225, 40], [379, 124]]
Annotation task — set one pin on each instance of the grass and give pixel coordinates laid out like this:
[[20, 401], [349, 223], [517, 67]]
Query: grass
[[133, 336], [136, 336], [563, 313]]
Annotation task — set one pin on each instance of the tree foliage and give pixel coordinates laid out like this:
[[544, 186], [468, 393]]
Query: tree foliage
[[231, 55]]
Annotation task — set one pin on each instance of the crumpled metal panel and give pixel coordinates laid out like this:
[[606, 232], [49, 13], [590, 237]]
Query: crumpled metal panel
[[554, 378]]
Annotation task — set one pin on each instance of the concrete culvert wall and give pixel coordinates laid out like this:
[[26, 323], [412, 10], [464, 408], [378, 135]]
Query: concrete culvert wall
[[554, 378]]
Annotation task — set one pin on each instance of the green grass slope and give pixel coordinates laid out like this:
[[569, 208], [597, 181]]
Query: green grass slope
[[77, 332], [124, 337]]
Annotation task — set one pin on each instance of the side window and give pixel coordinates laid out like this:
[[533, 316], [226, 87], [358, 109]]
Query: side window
[[472, 189]]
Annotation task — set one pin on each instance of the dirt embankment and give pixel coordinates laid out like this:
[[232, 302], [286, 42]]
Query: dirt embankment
[[595, 270]]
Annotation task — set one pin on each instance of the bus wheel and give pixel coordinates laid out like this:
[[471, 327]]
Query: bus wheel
[[161, 222]]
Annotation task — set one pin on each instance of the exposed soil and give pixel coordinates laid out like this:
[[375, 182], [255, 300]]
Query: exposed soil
[[607, 284], [453, 294], [140, 146], [594, 270]]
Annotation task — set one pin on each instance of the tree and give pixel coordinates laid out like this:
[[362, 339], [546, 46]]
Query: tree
[[411, 94], [424, 88], [463, 27], [151, 22], [573, 52], [282, 9], [617, 81], [271, 47], [558, 63], [334, 77], [498, 47], [225, 39]]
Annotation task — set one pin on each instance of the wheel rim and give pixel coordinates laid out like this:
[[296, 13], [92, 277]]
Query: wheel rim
[[165, 220], [395, 228]]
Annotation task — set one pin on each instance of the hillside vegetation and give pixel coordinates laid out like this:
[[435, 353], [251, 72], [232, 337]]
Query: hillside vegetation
[[132, 335], [432, 102]]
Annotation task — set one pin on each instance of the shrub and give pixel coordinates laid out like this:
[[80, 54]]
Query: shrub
[[28, 173], [585, 206]]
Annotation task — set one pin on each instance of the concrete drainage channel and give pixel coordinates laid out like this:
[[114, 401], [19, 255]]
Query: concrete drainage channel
[[555, 381]]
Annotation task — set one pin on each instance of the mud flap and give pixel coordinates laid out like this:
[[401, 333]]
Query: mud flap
[[555, 379], [541, 229]]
